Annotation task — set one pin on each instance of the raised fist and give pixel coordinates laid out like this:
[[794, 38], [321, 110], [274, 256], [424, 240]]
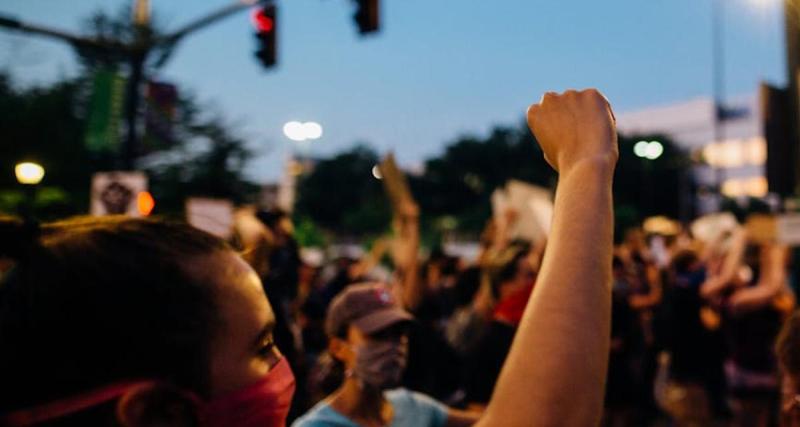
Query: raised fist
[[573, 127]]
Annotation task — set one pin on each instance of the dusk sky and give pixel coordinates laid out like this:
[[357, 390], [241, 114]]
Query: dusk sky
[[438, 68]]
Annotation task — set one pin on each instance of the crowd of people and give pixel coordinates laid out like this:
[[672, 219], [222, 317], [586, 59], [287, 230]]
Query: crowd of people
[[142, 322]]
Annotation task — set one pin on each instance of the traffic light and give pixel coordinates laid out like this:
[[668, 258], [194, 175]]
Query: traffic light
[[367, 16], [266, 35]]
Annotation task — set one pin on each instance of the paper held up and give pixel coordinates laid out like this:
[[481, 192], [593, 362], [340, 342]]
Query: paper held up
[[524, 210]]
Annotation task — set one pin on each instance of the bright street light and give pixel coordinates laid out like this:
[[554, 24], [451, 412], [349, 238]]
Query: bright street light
[[648, 150], [640, 149], [29, 173], [297, 131], [654, 150]]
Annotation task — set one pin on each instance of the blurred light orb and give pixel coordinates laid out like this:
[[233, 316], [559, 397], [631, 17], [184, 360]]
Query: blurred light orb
[[312, 130], [29, 173], [297, 131], [376, 172], [654, 150], [640, 149], [294, 131]]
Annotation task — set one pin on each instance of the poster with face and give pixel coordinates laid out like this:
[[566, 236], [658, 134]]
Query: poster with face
[[117, 193]]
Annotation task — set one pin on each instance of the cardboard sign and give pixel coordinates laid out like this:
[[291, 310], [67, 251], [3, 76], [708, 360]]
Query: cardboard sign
[[394, 182], [214, 216], [533, 206], [116, 193]]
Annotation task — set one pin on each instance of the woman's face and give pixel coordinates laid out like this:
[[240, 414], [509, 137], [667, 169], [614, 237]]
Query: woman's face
[[243, 350]]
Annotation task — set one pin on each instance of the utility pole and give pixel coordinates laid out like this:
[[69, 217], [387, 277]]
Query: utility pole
[[792, 18], [718, 81]]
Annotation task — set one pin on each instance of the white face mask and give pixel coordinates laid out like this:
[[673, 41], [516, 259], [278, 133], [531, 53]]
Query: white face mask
[[381, 363]]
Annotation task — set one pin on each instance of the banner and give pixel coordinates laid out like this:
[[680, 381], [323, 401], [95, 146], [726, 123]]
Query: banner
[[105, 111], [161, 101]]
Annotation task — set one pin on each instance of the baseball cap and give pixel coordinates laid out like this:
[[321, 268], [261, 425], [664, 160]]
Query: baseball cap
[[370, 307]]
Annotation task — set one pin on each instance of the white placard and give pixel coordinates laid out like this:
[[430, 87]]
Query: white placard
[[534, 209], [788, 229], [214, 216]]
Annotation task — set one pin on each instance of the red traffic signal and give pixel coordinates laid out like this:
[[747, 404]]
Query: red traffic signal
[[264, 19], [367, 16]]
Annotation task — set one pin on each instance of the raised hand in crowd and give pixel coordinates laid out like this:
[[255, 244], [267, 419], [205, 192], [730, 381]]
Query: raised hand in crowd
[[567, 320]]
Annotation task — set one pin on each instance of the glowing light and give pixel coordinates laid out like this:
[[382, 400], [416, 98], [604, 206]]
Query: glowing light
[[262, 21], [297, 131], [640, 149], [654, 150], [145, 203], [294, 131], [312, 130], [753, 187], [376, 172], [648, 150], [29, 173]]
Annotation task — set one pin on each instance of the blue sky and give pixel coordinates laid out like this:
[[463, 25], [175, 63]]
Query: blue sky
[[437, 70]]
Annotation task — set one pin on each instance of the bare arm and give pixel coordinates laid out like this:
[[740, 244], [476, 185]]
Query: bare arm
[[555, 371], [770, 285], [407, 257], [370, 260], [459, 418]]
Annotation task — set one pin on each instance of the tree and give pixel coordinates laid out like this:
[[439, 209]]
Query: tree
[[48, 124], [455, 187], [341, 195]]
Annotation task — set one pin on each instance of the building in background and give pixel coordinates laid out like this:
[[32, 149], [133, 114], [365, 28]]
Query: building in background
[[736, 163]]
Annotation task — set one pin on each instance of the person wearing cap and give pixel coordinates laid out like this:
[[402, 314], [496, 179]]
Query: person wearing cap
[[368, 337]]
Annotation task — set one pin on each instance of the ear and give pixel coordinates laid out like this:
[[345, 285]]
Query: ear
[[339, 349], [158, 404]]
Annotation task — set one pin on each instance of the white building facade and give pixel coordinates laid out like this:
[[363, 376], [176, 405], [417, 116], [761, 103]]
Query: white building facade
[[735, 159]]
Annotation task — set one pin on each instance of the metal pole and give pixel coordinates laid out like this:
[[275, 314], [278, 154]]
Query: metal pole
[[718, 79], [792, 21], [130, 148]]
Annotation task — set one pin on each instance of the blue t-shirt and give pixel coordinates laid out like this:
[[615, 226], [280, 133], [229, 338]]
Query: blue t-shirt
[[410, 410]]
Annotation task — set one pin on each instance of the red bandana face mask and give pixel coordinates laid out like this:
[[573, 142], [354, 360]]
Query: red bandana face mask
[[263, 404]]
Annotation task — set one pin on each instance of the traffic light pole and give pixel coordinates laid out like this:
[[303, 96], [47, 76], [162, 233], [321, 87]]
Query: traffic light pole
[[137, 54], [792, 18]]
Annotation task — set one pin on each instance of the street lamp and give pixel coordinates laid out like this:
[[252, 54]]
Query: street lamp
[[297, 131], [29, 173], [648, 150]]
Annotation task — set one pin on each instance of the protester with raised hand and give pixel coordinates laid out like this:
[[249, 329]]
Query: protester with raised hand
[[567, 321], [115, 321]]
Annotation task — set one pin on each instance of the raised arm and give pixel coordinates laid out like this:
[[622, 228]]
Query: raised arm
[[555, 371]]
